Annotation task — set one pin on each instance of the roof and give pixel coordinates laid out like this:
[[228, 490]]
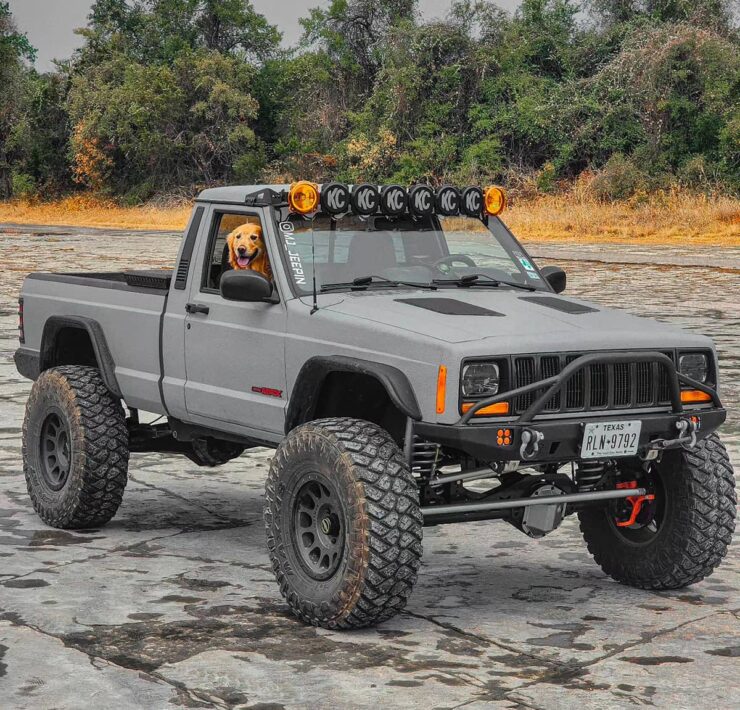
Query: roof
[[236, 194]]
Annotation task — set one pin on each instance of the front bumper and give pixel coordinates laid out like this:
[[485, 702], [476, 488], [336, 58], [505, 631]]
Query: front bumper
[[562, 437], [559, 439]]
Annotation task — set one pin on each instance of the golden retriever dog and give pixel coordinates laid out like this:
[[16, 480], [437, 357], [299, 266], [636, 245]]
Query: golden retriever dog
[[247, 249]]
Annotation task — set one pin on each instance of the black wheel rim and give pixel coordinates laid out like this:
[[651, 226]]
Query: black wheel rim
[[318, 528], [56, 452], [649, 522]]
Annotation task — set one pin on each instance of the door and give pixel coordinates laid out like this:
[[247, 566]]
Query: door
[[234, 351]]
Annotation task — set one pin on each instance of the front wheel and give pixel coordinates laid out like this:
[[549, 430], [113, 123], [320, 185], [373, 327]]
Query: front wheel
[[343, 523], [681, 536]]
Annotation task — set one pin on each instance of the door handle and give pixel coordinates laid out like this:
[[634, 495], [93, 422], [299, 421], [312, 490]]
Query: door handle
[[197, 308]]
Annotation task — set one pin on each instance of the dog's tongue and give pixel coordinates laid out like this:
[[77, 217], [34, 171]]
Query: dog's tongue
[[243, 261]]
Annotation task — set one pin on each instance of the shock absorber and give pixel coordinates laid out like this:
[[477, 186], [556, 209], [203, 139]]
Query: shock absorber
[[589, 473], [424, 457]]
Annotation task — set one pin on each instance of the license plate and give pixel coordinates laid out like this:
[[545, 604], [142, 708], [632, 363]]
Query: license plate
[[605, 439]]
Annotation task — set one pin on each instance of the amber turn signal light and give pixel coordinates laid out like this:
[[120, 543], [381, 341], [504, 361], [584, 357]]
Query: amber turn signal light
[[491, 410], [441, 389], [494, 200], [695, 396], [303, 197]]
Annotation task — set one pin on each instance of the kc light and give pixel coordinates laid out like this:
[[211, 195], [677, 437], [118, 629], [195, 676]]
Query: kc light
[[335, 198], [494, 200], [480, 379], [303, 197], [694, 365]]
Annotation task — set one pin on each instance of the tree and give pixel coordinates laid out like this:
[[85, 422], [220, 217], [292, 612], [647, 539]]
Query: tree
[[161, 94], [14, 51]]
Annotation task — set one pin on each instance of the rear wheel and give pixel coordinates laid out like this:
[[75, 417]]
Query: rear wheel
[[682, 535], [343, 523], [75, 448]]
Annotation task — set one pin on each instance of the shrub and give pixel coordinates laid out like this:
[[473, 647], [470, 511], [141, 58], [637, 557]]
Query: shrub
[[620, 179], [23, 185]]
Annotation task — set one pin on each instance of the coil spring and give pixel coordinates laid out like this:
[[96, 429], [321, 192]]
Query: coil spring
[[589, 473], [424, 456]]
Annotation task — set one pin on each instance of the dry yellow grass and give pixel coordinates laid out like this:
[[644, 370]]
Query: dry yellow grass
[[677, 218], [85, 211]]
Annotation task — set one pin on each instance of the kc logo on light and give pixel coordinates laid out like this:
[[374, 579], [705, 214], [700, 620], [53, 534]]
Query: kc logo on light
[[393, 199], [422, 201], [448, 200], [335, 198], [472, 201], [365, 199]]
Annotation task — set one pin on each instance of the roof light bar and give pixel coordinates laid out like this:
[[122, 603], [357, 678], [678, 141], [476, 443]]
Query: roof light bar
[[335, 198]]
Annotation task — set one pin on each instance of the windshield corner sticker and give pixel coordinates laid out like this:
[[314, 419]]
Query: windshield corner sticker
[[527, 265], [294, 258]]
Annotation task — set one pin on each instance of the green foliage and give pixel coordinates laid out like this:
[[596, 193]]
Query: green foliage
[[620, 179], [641, 94], [14, 80], [23, 185], [162, 124]]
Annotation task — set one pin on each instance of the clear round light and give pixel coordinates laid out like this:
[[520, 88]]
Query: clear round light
[[480, 379], [694, 365]]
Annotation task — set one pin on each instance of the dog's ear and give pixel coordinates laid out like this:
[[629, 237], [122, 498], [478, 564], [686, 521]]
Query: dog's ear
[[230, 238]]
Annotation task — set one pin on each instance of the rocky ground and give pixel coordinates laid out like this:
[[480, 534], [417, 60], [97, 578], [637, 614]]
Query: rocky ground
[[173, 604]]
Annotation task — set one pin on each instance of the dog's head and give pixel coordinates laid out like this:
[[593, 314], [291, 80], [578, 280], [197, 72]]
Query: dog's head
[[246, 246]]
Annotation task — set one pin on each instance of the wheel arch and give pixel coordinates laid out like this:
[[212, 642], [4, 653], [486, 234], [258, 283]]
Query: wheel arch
[[318, 372], [62, 343]]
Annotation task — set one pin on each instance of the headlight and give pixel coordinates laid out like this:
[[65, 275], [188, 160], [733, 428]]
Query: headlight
[[694, 365], [480, 379]]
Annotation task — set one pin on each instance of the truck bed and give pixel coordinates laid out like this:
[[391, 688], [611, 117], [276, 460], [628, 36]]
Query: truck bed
[[126, 306]]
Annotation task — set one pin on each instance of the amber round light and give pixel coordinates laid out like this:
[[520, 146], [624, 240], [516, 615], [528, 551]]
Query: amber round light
[[303, 197], [494, 200]]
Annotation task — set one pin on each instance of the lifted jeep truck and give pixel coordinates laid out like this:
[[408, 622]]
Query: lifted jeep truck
[[411, 365]]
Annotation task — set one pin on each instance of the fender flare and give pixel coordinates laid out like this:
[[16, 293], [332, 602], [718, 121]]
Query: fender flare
[[311, 378], [103, 355]]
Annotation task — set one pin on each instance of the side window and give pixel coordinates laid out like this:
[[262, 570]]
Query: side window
[[252, 252]]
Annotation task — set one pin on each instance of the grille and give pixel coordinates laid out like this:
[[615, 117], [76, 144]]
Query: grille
[[599, 386]]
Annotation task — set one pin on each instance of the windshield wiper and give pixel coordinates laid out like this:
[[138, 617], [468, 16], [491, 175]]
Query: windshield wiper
[[472, 280], [362, 282]]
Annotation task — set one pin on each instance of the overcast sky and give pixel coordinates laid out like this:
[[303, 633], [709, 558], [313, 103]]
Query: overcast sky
[[50, 24]]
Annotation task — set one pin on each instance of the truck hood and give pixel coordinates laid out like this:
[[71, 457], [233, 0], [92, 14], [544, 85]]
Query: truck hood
[[517, 320]]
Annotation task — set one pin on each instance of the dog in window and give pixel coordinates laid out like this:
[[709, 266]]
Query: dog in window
[[247, 250]]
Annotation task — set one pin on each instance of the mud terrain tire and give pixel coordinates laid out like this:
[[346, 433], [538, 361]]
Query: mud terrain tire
[[75, 448], [350, 477], [697, 527]]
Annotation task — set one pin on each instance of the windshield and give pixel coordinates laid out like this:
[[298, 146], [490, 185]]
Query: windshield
[[439, 250]]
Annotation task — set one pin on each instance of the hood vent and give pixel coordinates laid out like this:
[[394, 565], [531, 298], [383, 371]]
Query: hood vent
[[448, 306], [559, 304]]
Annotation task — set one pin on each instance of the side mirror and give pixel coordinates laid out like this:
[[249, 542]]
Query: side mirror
[[555, 276], [246, 286]]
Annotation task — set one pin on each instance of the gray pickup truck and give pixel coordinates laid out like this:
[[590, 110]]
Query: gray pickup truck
[[410, 363]]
